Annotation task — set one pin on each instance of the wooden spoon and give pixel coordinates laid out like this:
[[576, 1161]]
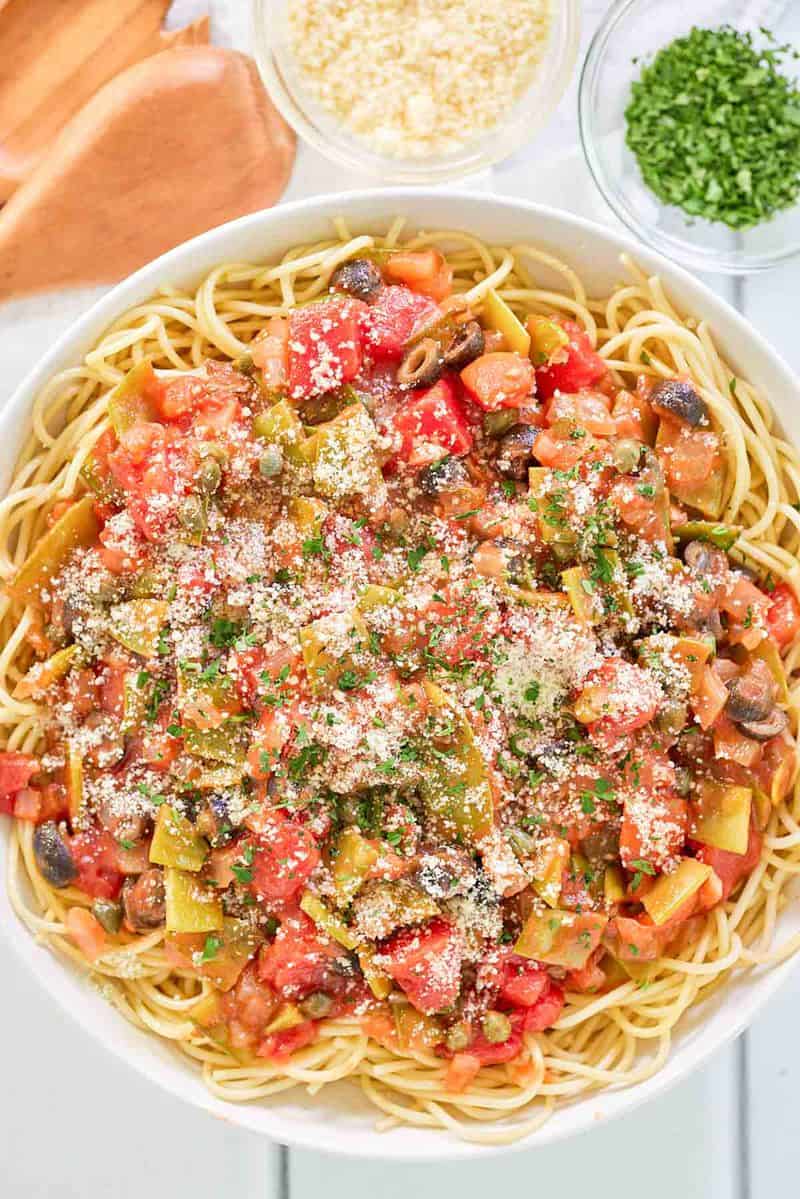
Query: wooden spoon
[[55, 54], [174, 145]]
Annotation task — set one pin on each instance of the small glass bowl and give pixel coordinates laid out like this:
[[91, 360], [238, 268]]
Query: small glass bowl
[[327, 135], [634, 30]]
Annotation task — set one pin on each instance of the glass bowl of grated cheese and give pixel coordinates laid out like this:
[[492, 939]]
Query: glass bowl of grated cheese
[[416, 91]]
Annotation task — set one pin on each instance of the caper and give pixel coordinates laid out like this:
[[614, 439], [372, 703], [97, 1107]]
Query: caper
[[398, 521], [245, 364], [672, 718], [191, 515], [270, 464], [521, 842], [317, 1005], [496, 1027], [457, 1037], [210, 476], [108, 914], [212, 449], [627, 453], [683, 781], [563, 551], [495, 424]]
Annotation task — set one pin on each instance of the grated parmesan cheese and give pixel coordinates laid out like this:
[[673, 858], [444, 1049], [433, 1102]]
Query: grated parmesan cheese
[[413, 78]]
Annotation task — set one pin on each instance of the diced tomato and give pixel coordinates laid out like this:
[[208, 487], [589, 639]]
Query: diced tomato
[[590, 977], [500, 380], [95, 857], [426, 963], [776, 771], [617, 699], [732, 868], [653, 828], [744, 602], [730, 743], [257, 671], [559, 450], [588, 409], [250, 1004], [16, 770], [424, 271], [581, 366], [461, 1070], [301, 960], [432, 424], [151, 461], [181, 397], [710, 698], [460, 633], [87, 932], [271, 734], [112, 690], [285, 858], [640, 510], [53, 803], [634, 417], [279, 1046], [158, 748], [270, 352], [783, 617], [523, 982], [324, 347], [748, 611], [547, 1009], [688, 456], [391, 321], [217, 415], [634, 941], [139, 442], [28, 805]]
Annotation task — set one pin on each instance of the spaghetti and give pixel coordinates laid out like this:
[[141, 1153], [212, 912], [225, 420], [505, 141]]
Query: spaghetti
[[612, 1031]]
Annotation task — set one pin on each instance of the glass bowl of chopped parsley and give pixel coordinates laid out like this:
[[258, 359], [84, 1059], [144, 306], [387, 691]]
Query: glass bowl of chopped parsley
[[690, 123]]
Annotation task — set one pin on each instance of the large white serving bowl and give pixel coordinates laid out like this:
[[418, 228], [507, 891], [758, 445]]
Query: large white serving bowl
[[339, 1120]]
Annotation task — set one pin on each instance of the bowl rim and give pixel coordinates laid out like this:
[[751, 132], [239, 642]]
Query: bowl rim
[[675, 249], [368, 1144], [498, 143]]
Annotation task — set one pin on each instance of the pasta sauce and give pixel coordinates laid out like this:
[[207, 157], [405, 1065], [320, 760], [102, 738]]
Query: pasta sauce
[[397, 678]]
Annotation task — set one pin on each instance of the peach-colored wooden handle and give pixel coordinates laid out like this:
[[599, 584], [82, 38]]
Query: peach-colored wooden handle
[[55, 54], [176, 144]]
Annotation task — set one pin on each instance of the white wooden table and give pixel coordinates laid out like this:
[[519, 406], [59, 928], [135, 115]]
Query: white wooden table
[[75, 1123]]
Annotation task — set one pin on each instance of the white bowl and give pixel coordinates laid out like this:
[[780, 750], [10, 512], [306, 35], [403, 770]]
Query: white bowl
[[339, 1121]]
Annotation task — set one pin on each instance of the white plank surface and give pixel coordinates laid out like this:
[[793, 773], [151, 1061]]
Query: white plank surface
[[770, 1050], [677, 1147], [75, 1123]]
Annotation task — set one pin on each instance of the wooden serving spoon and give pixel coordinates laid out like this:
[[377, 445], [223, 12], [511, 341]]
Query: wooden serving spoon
[[55, 54], [176, 144]]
